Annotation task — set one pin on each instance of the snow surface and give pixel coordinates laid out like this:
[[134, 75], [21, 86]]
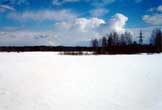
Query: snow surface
[[46, 81]]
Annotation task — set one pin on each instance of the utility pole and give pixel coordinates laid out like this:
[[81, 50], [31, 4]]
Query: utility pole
[[141, 38]]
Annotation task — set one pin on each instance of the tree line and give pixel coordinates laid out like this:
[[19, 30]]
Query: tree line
[[112, 43], [124, 43]]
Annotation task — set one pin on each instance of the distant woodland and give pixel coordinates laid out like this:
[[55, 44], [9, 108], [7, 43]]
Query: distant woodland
[[115, 43], [112, 43]]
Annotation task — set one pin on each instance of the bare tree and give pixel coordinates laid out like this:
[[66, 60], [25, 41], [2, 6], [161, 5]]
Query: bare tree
[[129, 37], [110, 40], [156, 39], [126, 39], [115, 38], [104, 42], [94, 43]]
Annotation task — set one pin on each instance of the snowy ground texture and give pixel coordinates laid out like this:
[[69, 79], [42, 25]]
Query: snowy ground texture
[[46, 81]]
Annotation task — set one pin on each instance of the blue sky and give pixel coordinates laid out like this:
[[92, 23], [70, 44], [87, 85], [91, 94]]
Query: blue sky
[[24, 22]]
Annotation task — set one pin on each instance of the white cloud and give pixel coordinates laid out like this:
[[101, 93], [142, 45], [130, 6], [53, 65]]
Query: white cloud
[[4, 8], [154, 19], [60, 2], [53, 15], [18, 2], [101, 2], [159, 8], [92, 2], [117, 23], [78, 30], [87, 24], [156, 9], [83, 29], [98, 12], [81, 24]]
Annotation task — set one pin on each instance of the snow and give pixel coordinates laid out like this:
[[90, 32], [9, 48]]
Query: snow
[[47, 81]]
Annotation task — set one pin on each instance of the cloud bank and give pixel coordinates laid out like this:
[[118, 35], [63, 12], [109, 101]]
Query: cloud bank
[[43, 15], [27, 38], [65, 32]]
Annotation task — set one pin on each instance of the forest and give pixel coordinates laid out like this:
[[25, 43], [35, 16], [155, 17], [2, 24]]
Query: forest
[[115, 43]]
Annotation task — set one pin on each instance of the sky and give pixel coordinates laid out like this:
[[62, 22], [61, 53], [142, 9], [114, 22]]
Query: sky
[[74, 22]]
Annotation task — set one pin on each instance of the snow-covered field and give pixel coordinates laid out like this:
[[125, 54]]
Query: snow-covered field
[[46, 81]]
